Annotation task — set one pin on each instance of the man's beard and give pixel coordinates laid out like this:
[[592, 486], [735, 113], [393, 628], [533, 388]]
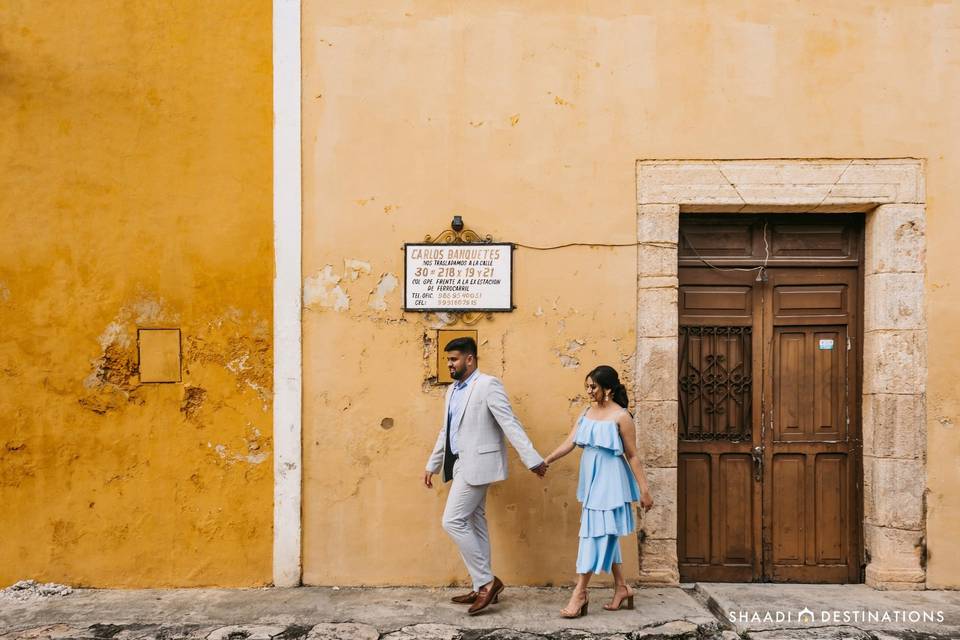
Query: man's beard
[[456, 374]]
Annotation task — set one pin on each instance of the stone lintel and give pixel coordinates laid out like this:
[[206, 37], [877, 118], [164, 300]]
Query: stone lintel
[[799, 185]]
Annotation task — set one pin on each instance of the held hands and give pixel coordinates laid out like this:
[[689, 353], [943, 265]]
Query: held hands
[[541, 469]]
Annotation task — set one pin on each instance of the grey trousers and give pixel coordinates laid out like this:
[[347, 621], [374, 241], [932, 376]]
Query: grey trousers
[[465, 520]]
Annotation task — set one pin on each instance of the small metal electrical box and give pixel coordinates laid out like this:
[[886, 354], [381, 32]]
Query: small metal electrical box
[[444, 336], [159, 355]]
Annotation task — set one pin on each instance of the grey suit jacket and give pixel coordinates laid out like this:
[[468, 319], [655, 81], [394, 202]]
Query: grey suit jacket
[[486, 417]]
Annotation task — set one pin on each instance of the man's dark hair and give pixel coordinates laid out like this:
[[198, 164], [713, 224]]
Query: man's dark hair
[[466, 345]]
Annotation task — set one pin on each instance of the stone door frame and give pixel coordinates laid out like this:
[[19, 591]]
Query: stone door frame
[[890, 192]]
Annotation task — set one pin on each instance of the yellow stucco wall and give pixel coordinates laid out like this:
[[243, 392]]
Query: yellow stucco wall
[[527, 119], [135, 168]]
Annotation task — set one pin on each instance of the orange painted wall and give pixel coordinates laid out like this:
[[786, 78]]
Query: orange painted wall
[[527, 119], [135, 168]]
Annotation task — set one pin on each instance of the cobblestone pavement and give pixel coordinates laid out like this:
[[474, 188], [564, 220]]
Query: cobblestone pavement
[[345, 631], [700, 613], [359, 631]]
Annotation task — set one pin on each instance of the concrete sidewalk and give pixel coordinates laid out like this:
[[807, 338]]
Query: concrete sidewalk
[[702, 611], [772, 611]]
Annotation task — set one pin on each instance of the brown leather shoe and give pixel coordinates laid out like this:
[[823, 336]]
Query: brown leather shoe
[[469, 598], [466, 598], [486, 596]]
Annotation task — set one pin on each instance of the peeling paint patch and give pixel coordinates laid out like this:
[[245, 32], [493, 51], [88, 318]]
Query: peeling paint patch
[[567, 357], [324, 290], [231, 315], [443, 319], [147, 310], [254, 457], [4, 292], [193, 398], [244, 350], [238, 364], [353, 268], [114, 334], [262, 391], [388, 283], [113, 378]]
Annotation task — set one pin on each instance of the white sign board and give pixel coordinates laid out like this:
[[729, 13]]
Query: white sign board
[[458, 277]]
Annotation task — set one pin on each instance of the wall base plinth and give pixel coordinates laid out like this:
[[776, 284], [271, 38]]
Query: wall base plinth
[[883, 579]]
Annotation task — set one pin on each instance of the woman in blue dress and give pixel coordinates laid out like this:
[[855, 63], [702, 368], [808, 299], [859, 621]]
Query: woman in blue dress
[[608, 487]]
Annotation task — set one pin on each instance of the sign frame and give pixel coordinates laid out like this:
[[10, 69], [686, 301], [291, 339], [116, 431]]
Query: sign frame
[[408, 245]]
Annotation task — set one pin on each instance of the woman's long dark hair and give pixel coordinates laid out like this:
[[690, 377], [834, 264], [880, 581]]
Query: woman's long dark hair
[[606, 377]]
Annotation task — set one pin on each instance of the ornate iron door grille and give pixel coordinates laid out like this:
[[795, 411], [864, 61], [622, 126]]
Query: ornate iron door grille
[[715, 383]]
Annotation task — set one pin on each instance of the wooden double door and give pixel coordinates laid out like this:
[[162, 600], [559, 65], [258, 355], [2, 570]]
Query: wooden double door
[[769, 386]]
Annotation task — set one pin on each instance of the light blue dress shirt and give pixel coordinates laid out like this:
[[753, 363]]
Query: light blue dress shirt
[[457, 399]]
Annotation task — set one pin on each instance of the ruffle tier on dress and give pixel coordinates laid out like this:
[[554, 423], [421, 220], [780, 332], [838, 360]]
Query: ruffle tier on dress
[[607, 490]]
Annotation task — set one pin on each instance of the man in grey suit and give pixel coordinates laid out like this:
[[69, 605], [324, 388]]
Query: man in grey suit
[[470, 450]]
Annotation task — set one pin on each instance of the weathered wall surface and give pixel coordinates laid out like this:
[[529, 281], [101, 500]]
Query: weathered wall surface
[[528, 122], [135, 168]]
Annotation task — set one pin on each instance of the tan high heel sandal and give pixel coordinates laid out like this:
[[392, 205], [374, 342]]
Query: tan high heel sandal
[[582, 611], [618, 604]]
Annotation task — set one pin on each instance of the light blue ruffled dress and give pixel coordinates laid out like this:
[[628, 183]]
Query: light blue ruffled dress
[[607, 490]]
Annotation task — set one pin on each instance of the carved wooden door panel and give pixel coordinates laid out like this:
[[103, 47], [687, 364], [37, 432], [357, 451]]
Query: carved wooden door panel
[[810, 515], [719, 499], [768, 389]]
